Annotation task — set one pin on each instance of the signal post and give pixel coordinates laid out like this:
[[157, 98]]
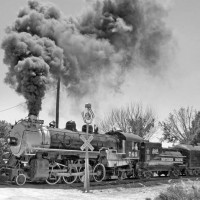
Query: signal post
[[88, 117]]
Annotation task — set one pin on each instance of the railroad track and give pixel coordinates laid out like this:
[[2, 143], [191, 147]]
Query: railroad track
[[141, 182], [132, 182]]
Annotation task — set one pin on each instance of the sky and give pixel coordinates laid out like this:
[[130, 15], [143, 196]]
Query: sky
[[179, 86]]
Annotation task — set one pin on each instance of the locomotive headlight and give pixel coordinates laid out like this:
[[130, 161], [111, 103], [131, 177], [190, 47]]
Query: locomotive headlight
[[12, 141]]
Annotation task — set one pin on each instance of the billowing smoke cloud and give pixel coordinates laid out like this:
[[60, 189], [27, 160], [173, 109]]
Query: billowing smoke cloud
[[33, 61], [135, 27], [108, 40]]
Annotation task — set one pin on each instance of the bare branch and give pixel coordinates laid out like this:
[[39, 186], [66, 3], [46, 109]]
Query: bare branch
[[131, 118], [178, 125]]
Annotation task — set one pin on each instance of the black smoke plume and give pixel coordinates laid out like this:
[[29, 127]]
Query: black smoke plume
[[108, 40], [135, 27]]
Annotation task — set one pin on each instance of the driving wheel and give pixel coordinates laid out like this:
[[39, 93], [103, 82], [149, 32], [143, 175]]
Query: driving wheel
[[99, 172], [53, 178]]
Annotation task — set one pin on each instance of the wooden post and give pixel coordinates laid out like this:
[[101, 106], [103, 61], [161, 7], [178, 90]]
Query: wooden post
[[57, 102], [87, 173]]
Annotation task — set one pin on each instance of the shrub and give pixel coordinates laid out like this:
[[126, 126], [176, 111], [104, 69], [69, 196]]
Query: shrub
[[180, 192], [5, 128]]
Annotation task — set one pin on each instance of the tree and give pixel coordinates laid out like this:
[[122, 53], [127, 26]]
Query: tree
[[4, 128], [196, 128], [4, 132], [178, 126], [132, 118]]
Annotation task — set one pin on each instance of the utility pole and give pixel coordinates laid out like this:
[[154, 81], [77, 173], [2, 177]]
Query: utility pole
[[57, 102]]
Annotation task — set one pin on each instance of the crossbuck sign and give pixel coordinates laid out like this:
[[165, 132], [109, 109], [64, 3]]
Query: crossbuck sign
[[87, 143]]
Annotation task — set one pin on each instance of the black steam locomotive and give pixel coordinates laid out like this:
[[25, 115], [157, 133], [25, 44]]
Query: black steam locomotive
[[46, 153]]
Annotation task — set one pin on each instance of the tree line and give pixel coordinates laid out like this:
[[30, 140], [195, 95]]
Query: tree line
[[182, 125]]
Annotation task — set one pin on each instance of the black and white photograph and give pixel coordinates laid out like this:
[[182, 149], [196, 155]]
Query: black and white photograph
[[100, 99]]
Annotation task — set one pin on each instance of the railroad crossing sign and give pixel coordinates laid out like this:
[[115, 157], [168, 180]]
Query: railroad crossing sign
[[88, 115], [87, 143]]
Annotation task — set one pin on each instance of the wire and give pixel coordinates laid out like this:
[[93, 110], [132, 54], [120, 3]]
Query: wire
[[22, 103], [12, 107]]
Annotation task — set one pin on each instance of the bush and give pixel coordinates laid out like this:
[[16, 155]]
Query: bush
[[5, 128], [180, 192]]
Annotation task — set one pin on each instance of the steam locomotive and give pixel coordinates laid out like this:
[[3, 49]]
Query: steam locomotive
[[45, 153]]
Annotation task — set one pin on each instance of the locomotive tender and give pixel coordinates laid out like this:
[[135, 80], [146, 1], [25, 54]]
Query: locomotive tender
[[42, 153]]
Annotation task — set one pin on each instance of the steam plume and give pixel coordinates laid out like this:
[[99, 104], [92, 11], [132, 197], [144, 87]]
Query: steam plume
[[108, 40]]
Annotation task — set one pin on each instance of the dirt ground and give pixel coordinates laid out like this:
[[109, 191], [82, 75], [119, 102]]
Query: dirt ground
[[141, 191]]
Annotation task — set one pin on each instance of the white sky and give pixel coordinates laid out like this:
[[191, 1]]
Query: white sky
[[180, 86]]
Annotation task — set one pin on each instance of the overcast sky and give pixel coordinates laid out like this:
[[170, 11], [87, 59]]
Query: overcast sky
[[180, 85]]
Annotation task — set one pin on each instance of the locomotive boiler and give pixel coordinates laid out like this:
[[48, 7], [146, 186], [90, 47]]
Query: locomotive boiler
[[43, 153], [30, 135]]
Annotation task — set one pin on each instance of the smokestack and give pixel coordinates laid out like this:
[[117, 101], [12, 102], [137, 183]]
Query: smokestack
[[32, 118], [57, 102]]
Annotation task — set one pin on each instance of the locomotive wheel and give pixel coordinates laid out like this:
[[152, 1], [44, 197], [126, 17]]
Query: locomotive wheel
[[165, 173], [160, 173], [53, 179], [147, 174], [70, 179], [100, 171], [81, 177], [139, 174], [20, 179], [122, 175], [175, 172], [195, 172], [190, 173]]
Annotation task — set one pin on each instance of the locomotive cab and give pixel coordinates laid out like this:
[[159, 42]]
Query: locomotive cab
[[128, 143]]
